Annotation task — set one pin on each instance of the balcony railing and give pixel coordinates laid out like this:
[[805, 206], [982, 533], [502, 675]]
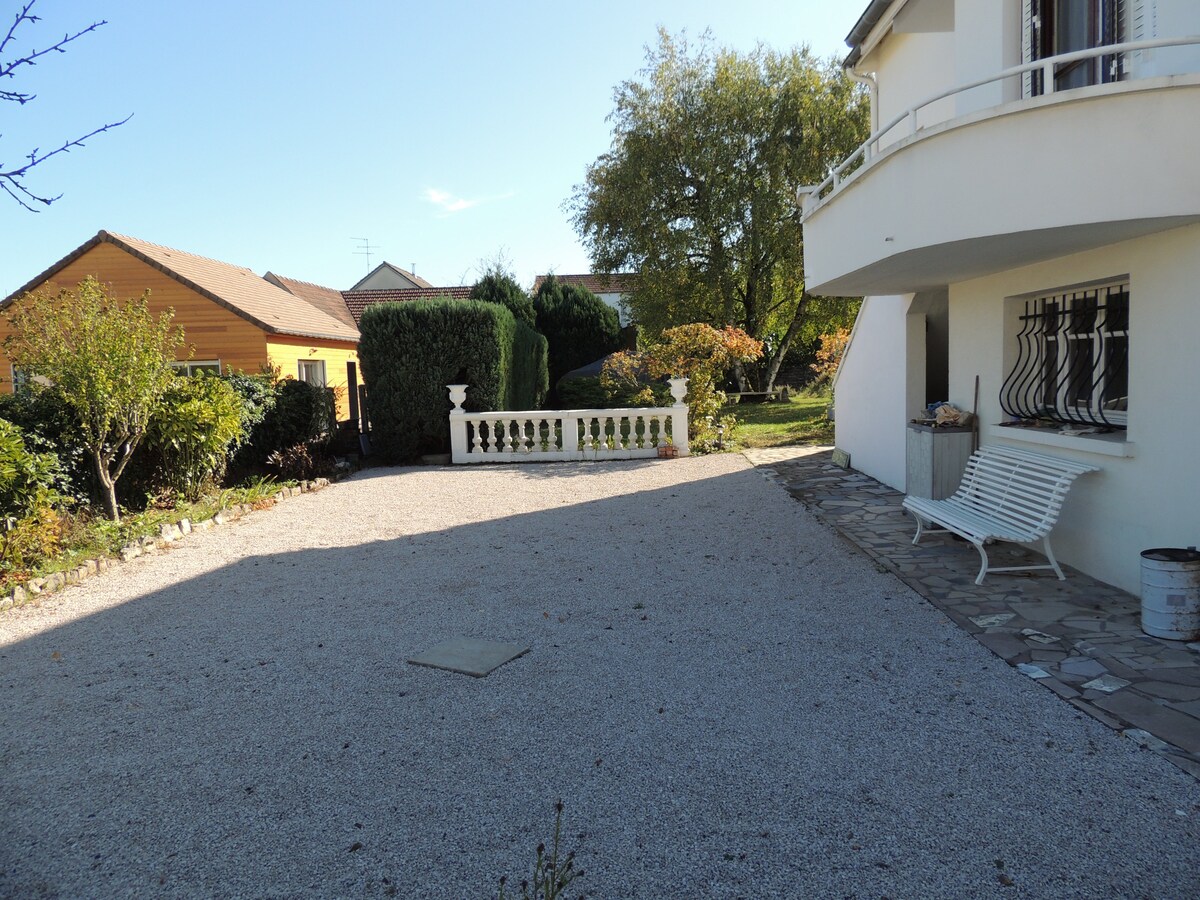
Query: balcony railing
[[812, 197]]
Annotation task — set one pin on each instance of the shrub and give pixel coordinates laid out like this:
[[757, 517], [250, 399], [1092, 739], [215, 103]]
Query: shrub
[[698, 352], [501, 288], [258, 395], [301, 462], [28, 480], [31, 527], [288, 413], [47, 425], [197, 422], [579, 326], [411, 351], [530, 381]]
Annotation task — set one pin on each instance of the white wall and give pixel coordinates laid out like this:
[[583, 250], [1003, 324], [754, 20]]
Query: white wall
[[613, 299], [909, 68], [987, 40], [873, 392], [1151, 498]]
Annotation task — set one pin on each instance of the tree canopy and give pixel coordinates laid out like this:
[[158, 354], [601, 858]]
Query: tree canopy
[[109, 361], [697, 193]]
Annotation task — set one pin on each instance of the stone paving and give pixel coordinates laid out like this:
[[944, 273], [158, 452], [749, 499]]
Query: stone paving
[[1079, 638]]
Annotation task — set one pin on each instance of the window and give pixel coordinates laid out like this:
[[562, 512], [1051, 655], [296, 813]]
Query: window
[[21, 380], [1054, 27], [198, 366], [313, 371], [1073, 359]]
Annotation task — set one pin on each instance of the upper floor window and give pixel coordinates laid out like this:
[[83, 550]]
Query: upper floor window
[[1054, 27], [1072, 364], [313, 371]]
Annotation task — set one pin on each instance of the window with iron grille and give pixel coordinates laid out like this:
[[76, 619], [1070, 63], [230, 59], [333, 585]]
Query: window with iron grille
[[1073, 359]]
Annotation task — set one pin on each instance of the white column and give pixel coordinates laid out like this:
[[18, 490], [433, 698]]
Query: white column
[[458, 423]]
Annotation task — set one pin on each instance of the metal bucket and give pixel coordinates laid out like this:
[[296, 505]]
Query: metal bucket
[[1171, 593]]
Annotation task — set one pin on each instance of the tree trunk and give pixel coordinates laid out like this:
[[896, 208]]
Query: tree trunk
[[108, 487], [781, 351]]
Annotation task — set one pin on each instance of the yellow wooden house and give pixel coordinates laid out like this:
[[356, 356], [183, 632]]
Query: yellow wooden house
[[233, 319]]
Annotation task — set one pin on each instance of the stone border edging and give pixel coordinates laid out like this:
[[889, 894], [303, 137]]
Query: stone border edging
[[168, 534]]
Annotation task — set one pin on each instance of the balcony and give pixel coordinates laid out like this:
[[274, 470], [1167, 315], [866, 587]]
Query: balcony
[[1007, 186]]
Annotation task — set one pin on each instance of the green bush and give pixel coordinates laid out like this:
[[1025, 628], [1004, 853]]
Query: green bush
[[530, 381], [28, 480], [196, 423], [411, 351], [502, 289], [258, 395], [31, 528], [579, 326], [295, 412], [48, 425], [582, 393]]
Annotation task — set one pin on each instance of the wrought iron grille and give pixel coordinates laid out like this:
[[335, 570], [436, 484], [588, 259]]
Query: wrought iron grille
[[1072, 359]]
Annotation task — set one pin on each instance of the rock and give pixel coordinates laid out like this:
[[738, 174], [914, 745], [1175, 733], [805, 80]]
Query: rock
[[34, 586], [92, 566], [6, 602], [18, 595], [185, 526], [219, 518]]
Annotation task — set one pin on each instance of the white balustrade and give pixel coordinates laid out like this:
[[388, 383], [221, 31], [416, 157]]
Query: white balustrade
[[508, 436]]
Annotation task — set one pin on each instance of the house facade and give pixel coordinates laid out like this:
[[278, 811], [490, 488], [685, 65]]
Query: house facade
[[1026, 219], [233, 320]]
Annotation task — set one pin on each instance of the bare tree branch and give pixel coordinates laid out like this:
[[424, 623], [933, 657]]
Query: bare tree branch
[[11, 180]]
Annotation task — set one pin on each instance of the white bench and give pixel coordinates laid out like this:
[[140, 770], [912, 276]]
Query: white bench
[[1005, 494]]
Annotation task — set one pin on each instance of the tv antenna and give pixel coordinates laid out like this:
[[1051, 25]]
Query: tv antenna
[[364, 249]]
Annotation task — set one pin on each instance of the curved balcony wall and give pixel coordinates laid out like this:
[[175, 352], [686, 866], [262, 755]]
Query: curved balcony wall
[[1015, 184]]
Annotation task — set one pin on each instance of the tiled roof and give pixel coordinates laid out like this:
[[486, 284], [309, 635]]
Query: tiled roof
[[328, 300], [403, 273], [597, 283], [357, 301], [236, 288]]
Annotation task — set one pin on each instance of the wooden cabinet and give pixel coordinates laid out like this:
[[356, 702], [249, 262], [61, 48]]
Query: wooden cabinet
[[936, 460]]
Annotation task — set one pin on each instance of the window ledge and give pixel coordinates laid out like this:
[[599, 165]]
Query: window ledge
[[1113, 444]]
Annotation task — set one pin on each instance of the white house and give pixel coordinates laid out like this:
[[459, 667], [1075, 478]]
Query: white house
[[1027, 213]]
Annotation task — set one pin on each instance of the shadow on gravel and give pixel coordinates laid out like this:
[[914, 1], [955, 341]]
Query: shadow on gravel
[[725, 707]]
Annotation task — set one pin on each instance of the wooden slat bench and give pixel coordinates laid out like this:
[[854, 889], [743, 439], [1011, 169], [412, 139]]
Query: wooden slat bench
[[1005, 494]]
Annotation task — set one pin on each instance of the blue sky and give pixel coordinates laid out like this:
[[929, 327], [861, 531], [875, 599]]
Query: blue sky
[[270, 134]]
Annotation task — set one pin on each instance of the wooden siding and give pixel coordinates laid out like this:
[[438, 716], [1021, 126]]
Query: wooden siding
[[211, 330], [286, 353]]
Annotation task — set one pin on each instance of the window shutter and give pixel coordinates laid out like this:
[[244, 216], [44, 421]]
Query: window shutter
[[1112, 31], [1028, 50]]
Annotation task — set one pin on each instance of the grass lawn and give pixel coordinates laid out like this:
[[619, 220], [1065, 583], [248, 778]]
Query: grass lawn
[[800, 420]]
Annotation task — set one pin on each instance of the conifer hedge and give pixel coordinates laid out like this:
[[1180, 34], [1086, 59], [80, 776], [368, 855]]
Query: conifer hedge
[[410, 351]]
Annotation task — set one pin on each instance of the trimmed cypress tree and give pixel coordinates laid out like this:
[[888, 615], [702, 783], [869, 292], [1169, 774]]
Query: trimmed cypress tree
[[410, 351], [580, 327], [500, 288]]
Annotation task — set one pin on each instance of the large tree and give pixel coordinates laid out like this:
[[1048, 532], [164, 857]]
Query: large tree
[[12, 61], [697, 194], [109, 361]]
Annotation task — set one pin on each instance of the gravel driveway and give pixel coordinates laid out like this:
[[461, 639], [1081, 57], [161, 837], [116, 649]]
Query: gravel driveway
[[730, 701]]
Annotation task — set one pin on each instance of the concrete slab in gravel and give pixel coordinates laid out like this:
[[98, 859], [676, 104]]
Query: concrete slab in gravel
[[469, 656]]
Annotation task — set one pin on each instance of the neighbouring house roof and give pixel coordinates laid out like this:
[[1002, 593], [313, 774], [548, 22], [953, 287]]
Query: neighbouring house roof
[[235, 288], [328, 300], [597, 283], [357, 301], [385, 269]]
